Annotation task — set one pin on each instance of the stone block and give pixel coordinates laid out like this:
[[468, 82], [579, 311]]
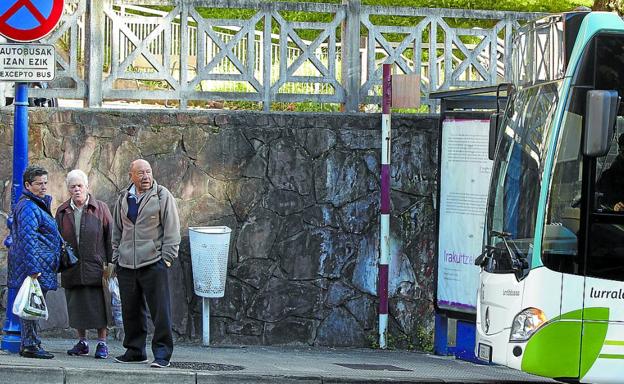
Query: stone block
[[340, 329], [158, 140], [225, 154], [288, 167], [342, 177], [257, 235], [193, 139], [338, 293], [281, 299], [25, 374], [284, 202], [290, 331], [90, 376], [255, 272]]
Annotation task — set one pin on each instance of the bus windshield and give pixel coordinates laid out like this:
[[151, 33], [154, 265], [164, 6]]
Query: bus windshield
[[516, 175]]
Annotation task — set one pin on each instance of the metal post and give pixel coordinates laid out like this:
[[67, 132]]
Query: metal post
[[384, 248], [11, 340], [184, 53], [267, 60], [205, 321]]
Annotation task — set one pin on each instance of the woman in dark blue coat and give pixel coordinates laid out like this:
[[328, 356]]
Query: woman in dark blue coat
[[35, 250]]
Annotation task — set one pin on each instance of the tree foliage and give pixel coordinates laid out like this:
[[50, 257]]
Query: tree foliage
[[609, 5]]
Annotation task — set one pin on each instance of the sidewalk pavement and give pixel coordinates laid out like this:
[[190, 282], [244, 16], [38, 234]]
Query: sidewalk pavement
[[194, 364]]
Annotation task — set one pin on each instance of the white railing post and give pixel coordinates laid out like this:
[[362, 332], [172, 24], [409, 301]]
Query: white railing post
[[350, 51], [94, 51]]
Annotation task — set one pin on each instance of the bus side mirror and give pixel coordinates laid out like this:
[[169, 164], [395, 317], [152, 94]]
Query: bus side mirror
[[602, 106], [495, 119]]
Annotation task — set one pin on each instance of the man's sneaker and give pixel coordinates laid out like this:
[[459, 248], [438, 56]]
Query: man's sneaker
[[35, 353], [160, 363], [81, 348], [101, 351], [126, 359]]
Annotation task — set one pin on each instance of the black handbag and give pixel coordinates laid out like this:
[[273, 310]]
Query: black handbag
[[68, 257]]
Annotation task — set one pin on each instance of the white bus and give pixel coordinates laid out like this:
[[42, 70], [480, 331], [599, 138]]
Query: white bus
[[551, 291]]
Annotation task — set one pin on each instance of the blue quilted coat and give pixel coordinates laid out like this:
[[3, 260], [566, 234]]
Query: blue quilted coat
[[36, 242]]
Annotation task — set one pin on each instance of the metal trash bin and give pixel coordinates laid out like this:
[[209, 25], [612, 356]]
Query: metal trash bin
[[210, 248]]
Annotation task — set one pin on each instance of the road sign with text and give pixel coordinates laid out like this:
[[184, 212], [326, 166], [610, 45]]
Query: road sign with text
[[29, 20], [27, 62]]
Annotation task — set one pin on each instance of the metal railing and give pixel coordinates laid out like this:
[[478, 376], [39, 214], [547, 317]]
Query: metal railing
[[127, 49]]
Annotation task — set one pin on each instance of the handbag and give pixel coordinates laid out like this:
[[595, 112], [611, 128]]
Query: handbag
[[68, 257]]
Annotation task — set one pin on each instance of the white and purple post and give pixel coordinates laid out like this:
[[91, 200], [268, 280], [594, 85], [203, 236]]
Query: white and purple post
[[384, 247]]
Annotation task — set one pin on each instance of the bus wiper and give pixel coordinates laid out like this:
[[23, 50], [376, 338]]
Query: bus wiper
[[517, 263], [487, 253]]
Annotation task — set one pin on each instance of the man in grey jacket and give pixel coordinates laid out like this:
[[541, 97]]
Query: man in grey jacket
[[145, 240]]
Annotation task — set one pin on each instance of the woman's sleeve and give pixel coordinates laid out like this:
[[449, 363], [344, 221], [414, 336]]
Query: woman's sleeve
[[107, 228], [29, 232]]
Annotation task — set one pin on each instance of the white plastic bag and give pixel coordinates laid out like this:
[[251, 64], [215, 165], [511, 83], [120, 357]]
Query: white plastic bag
[[29, 303], [113, 288], [110, 284]]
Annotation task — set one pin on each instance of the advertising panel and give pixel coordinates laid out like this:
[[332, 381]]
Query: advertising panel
[[464, 182]]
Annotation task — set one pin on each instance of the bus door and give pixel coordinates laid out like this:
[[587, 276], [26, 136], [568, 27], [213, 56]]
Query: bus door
[[555, 350], [508, 287], [603, 315], [602, 231]]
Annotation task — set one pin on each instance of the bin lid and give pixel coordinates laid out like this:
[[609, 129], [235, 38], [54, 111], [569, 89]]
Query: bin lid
[[212, 230]]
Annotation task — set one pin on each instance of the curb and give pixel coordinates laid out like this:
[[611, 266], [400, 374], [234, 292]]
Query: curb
[[46, 375]]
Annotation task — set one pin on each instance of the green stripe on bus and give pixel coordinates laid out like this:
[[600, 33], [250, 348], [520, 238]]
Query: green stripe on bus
[[610, 356], [614, 342]]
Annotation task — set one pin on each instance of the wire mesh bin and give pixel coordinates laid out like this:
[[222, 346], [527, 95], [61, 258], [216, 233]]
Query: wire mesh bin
[[209, 255]]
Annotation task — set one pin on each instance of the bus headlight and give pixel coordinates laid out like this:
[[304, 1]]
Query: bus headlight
[[526, 323]]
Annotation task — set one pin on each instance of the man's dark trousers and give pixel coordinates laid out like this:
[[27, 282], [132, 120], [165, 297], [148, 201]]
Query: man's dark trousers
[[137, 287]]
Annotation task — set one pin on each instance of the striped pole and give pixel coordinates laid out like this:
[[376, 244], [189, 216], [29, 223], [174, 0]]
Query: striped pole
[[384, 249]]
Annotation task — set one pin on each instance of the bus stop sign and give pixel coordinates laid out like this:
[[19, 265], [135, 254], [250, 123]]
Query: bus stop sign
[[29, 20]]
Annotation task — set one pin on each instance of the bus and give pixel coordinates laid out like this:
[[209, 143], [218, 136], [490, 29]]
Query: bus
[[551, 282]]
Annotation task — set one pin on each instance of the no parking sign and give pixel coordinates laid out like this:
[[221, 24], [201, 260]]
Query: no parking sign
[[29, 20]]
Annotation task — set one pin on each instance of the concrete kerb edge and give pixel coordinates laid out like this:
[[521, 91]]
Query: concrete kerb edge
[[60, 375], [152, 376], [214, 378], [29, 374], [52, 375]]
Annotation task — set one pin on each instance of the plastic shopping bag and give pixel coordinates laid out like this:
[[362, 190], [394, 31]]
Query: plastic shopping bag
[[110, 285], [29, 303]]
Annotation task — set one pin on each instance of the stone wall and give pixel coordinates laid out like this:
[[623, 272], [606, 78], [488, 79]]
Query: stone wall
[[301, 193]]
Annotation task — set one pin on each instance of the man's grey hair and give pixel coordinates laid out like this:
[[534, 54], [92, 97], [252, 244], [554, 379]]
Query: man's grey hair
[[77, 174]]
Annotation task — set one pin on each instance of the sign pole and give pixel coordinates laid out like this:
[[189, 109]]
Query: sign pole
[[12, 336], [384, 246], [23, 21]]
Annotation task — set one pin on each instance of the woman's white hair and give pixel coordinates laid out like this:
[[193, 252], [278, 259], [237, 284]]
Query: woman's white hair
[[77, 174]]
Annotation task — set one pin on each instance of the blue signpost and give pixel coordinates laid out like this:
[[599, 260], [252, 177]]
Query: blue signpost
[[22, 21], [11, 339]]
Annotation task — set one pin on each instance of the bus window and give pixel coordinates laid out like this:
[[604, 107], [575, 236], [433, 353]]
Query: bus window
[[560, 242], [516, 176], [610, 178], [606, 235]]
